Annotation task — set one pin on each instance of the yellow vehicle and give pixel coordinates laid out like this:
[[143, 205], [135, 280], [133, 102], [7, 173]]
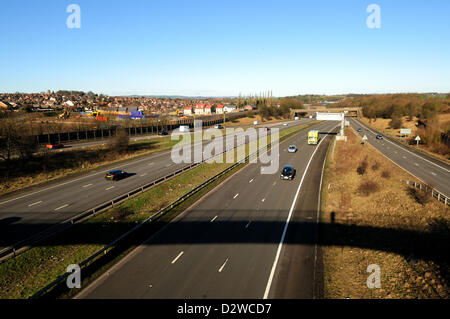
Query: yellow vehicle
[[96, 113], [65, 115], [313, 137]]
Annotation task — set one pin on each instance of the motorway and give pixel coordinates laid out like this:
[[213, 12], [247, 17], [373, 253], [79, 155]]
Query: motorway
[[27, 213], [234, 242], [422, 166]]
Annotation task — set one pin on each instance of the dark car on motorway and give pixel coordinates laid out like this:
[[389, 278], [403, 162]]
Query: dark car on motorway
[[359, 130], [163, 133], [379, 137], [115, 175], [288, 172]]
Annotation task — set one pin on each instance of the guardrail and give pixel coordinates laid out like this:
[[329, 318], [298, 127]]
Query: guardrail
[[25, 244], [396, 139], [151, 127], [434, 193], [158, 214]]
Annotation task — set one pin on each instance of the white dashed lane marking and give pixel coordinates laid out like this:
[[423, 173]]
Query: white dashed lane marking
[[35, 203], [221, 268], [176, 258], [61, 207]]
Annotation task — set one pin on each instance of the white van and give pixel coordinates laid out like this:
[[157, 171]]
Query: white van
[[184, 128]]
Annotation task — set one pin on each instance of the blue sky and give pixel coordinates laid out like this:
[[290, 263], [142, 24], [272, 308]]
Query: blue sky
[[225, 47]]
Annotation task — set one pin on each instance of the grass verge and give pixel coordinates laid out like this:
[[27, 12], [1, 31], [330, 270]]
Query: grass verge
[[372, 217], [24, 275]]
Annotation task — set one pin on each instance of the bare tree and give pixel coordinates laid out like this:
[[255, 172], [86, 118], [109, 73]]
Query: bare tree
[[120, 142]]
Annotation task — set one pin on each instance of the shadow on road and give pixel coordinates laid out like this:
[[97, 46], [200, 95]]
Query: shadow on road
[[432, 245]]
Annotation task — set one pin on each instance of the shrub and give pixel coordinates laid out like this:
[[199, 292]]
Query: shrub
[[386, 174], [361, 169], [396, 122], [375, 166], [120, 142], [421, 196], [368, 187], [250, 114]]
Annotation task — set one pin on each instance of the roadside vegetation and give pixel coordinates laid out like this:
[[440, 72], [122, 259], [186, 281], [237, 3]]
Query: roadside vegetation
[[31, 168], [427, 116], [370, 216], [25, 171], [25, 274]]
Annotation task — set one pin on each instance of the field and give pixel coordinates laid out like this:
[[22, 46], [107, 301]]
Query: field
[[369, 216]]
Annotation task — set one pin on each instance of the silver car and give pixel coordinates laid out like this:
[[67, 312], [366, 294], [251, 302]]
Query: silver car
[[292, 149]]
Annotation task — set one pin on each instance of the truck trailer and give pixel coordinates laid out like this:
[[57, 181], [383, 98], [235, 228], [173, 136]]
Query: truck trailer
[[313, 137]]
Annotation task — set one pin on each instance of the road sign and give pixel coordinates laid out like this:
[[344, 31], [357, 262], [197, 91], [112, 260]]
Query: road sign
[[405, 131], [417, 139], [364, 139]]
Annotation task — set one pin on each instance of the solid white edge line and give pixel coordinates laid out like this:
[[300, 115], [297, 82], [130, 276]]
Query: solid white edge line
[[410, 173], [280, 245], [83, 177], [317, 217], [402, 148]]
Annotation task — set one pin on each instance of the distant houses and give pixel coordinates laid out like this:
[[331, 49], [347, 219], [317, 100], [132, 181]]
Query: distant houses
[[187, 110], [229, 108], [219, 109], [199, 109]]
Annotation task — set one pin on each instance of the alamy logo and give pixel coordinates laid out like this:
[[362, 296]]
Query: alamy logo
[[74, 19], [374, 19], [374, 279], [74, 279], [231, 148]]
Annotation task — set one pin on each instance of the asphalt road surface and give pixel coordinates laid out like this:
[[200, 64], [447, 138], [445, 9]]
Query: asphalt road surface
[[236, 242], [422, 166], [27, 213]]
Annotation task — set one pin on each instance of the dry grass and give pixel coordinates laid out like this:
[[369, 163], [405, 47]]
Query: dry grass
[[249, 121], [435, 149], [384, 226], [383, 125]]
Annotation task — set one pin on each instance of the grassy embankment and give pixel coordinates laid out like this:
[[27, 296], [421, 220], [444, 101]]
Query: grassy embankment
[[383, 125], [22, 276], [53, 165], [369, 216]]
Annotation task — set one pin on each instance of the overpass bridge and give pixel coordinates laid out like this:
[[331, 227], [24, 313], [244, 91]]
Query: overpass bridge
[[350, 111]]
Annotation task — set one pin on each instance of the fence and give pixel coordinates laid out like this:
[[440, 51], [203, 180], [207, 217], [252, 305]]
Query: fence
[[24, 244], [131, 130], [438, 195], [158, 214]]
